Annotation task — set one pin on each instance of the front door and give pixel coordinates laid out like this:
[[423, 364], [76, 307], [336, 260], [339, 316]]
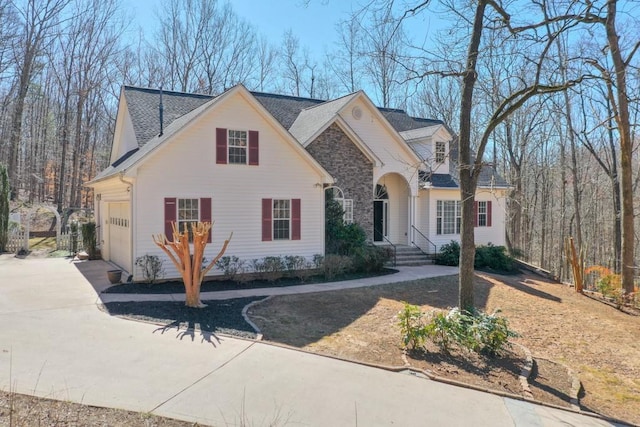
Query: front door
[[380, 208]]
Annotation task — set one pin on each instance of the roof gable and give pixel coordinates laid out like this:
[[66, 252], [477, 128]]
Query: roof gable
[[135, 157]]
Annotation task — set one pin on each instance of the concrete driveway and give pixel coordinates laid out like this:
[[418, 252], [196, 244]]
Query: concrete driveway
[[55, 342]]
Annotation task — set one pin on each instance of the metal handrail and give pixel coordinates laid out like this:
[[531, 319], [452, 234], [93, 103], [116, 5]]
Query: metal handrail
[[435, 248], [395, 250]]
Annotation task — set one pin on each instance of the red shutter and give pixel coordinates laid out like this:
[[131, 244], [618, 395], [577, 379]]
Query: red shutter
[[221, 146], [205, 213], [475, 213], [295, 219], [254, 152], [170, 214], [489, 214], [267, 206]]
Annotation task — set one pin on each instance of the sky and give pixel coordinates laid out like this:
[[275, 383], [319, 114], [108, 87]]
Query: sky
[[312, 21]]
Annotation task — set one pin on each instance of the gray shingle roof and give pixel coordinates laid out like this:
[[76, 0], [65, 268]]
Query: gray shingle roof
[[312, 119], [144, 105], [308, 114], [284, 108]]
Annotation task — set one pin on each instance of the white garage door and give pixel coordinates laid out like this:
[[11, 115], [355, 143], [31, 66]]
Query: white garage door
[[120, 235]]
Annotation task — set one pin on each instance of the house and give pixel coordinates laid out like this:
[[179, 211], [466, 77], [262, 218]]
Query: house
[[261, 164]]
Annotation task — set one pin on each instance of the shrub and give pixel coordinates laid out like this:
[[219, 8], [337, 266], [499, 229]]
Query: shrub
[[272, 268], [318, 260], [89, 239], [493, 257], [449, 254], [411, 322], [151, 267], [369, 259], [479, 332], [231, 267], [299, 267], [336, 265]]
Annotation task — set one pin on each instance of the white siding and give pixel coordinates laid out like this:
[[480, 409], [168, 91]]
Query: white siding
[[185, 167], [483, 235], [398, 219], [111, 191], [385, 144], [124, 139]]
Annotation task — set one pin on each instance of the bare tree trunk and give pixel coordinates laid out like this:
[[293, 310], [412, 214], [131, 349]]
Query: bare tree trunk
[[626, 149], [467, 179]]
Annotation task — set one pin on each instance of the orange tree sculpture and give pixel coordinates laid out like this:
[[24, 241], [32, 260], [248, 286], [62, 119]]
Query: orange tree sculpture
[[190, 266]]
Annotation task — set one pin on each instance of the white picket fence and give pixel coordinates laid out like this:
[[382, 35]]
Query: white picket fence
[[18, 239]]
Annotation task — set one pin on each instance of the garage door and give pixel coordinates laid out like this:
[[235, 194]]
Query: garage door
[[120, 235]]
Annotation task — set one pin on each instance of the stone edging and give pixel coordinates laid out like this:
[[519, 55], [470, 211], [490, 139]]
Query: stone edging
[[526, 371]]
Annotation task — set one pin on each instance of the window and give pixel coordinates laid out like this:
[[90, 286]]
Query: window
[[483, 213], [336, 194], [183, 212], [281, 219], [441, 151], [188, 215], [347, 206], [237, 147], [449, 217]]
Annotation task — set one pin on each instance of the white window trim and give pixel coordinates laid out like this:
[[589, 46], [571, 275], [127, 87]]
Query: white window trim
[[274, 219], [482, 213], [347, 207], [246, 147], [457, 219], [440, 155], [180, 222]]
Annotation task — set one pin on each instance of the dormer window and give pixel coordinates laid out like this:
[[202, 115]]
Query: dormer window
[[441, 151]]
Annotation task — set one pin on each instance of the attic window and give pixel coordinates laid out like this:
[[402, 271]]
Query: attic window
[[441, 151], [237, 147]]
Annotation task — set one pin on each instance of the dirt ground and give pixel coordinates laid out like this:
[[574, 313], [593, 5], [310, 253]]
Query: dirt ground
[[560, 327], [18, 410]]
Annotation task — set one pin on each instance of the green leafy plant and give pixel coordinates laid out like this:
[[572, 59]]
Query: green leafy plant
[[449, 254], [89, 239], [151, 267], [479, 332], [369, 259], [412, 326], [493, 257], [4, 208]]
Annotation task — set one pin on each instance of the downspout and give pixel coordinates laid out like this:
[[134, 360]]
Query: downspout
[[131, 222]]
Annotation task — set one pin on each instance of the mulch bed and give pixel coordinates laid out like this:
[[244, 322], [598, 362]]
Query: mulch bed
[[218, 317], [176, 286]]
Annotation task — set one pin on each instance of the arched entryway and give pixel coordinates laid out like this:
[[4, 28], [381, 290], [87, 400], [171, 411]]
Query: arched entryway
[[391, 210]]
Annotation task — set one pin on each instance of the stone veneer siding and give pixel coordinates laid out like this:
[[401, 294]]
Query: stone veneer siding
[[352, 170]]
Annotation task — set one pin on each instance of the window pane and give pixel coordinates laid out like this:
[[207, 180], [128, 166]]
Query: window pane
[[281, 219], [237, 141]]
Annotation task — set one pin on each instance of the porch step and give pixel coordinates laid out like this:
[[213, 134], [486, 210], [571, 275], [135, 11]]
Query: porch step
[[411, 256]]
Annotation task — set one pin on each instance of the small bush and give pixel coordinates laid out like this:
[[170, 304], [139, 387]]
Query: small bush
[[449, 254], [299, 267], [89, 239], [318, 260], [273, 268], [479, 332], [411, 322], [231, 267], [151, 267], [493, 257], [336, 265], [369, 259]]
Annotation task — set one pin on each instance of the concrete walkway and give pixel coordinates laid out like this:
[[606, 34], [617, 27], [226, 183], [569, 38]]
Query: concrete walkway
[[56, 343]]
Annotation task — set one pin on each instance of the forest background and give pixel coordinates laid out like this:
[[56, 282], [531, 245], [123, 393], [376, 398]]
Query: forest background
[[62, 63]]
